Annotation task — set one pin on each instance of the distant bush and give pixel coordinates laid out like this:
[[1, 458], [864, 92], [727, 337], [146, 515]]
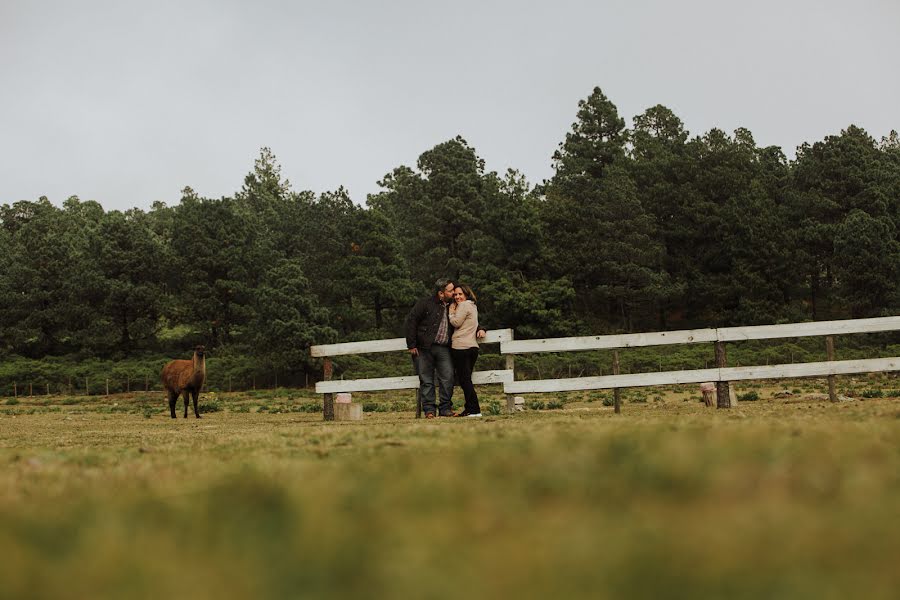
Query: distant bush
[[12, 401], [536, 405], [554, 404], [872, 394], [748, 397]]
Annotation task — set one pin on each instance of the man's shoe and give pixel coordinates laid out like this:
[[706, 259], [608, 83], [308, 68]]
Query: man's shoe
[[448, 414], [429, 415], [461, 413]]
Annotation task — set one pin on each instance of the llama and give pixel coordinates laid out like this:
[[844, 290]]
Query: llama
[[187, 377]]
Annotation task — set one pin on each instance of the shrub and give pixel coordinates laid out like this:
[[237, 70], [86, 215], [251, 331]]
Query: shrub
[[536, 405], [609, 401], [492, 408], [12, 401], [209, 405], [554, 404], [748, 397], [872, 394]]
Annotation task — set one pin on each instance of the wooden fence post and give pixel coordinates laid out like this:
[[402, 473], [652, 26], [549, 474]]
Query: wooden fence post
[[510, 398], [328, 399], [829, 354], [723, 396], [511, 366], [617, 393]]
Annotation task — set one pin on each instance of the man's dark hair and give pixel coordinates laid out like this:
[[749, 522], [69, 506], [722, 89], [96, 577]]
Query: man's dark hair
[[440, 284]]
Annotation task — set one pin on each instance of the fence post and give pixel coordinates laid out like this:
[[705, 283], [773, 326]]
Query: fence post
[[617, 393], [107, 386], [829, 354], [723, 397], [511, 366], [327, 399]]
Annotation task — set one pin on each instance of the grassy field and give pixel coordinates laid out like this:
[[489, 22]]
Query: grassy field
[[107, 497]]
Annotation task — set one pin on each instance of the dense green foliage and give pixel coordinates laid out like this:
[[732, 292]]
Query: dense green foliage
[[640, 228]]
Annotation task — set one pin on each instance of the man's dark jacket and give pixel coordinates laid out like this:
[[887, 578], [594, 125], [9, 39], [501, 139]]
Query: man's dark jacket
[[423, 321]]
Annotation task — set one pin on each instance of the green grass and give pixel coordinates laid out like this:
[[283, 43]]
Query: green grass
[[794, 498]]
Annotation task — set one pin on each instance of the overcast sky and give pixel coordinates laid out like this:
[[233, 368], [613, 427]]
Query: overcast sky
[[128, 102]]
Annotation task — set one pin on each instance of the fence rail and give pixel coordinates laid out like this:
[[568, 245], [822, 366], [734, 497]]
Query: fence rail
[[494, 336], [696, 336], [721, 374]]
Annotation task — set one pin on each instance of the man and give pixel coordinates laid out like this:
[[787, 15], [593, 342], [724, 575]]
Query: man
[[428, 334]]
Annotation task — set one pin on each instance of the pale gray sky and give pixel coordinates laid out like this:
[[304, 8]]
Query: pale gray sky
[[127, 102]]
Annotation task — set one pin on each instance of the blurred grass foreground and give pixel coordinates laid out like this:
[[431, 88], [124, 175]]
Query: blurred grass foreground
[[772, 499]]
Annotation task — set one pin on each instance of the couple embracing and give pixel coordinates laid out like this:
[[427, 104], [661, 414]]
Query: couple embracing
[[442, 335]]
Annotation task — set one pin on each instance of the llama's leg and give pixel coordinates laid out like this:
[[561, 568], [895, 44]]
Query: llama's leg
[[173, 398], [187, 395], [196, 394]]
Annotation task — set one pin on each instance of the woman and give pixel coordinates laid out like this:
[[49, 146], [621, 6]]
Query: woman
[[464, 346]]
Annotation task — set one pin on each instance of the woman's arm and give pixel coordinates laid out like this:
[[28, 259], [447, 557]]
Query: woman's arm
[[462, 312]]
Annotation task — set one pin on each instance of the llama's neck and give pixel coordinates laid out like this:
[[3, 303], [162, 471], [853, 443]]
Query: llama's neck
[[199, 366]]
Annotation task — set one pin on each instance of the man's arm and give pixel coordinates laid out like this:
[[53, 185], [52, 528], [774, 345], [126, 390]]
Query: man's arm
[[412, 324]]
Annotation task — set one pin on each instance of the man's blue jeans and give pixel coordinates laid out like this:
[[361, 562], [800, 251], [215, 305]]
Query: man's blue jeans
[[431, 363]]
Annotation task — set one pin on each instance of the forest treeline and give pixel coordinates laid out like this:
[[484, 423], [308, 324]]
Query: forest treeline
[[640, 228]]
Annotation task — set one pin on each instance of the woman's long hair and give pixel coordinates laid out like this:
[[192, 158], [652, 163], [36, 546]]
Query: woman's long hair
[[470, 295]]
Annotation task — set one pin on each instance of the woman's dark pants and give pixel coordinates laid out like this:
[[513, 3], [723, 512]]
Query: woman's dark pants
[[464, 364]]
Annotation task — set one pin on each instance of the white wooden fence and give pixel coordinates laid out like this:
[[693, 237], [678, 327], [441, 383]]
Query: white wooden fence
[[721, 374]]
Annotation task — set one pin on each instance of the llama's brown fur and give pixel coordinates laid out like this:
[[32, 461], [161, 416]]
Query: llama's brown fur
[[185, 377]]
